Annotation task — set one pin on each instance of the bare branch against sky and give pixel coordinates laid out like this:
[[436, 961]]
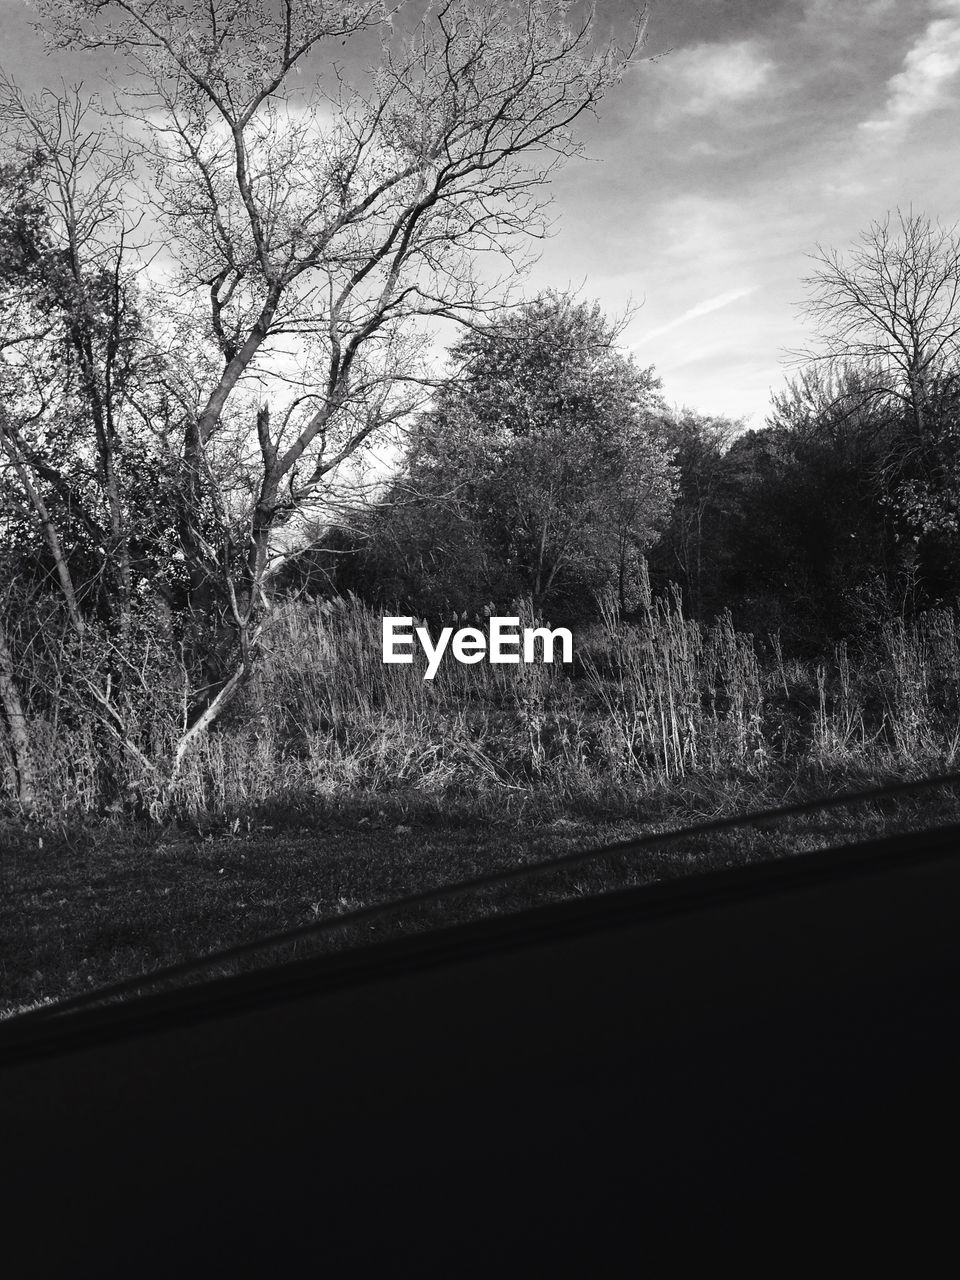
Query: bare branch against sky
[[766, 127]]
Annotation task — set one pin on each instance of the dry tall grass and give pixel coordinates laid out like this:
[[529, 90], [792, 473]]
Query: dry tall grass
[[650, 701]]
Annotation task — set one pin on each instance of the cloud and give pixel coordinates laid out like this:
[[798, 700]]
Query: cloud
[[702, 79], [704, 308], [928, 67]]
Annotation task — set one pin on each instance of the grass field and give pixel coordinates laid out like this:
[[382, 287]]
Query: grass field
[[87, 908]]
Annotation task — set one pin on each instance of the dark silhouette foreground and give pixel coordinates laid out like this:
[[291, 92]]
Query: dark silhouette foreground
[[760, 1057]]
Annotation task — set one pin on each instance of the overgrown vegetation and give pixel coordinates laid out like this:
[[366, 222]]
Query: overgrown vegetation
[[649, 702]]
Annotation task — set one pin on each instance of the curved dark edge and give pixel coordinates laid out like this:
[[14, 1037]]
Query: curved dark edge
[[23, 1039]]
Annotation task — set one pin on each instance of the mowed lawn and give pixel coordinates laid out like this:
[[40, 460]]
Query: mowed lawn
[[81, 912]]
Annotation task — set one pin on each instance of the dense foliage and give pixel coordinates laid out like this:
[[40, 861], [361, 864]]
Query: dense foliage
[[543, 470]]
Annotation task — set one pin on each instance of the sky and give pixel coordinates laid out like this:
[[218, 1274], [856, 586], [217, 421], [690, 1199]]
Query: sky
[[749, 132], [761, 128]]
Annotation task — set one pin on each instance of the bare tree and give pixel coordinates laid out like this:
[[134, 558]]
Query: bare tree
[[312, 223], [887, 316], [891, 306]]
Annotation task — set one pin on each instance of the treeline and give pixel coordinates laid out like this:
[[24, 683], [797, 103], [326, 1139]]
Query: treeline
[[834, 519], [174, 638], [551, 468]]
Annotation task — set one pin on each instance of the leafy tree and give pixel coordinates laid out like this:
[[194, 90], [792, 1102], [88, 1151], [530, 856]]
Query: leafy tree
[[76, 359], [79, 470], [800, 537], [540, 470]]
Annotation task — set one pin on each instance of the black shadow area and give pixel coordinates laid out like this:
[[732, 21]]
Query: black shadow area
[[761, 1060]]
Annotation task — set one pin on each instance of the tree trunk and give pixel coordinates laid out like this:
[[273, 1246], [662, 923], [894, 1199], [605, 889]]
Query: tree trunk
[[17, 728]]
